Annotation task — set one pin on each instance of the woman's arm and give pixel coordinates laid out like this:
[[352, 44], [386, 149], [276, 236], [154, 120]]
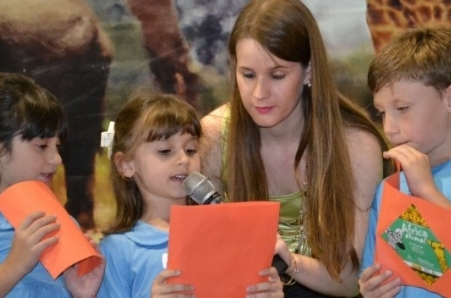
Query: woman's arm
[[366, 161]]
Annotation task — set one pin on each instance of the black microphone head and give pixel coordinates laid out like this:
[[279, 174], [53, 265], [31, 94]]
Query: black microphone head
[[200, 189]]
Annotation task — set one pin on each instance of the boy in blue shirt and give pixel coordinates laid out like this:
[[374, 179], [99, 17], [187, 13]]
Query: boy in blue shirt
[[411, 83]]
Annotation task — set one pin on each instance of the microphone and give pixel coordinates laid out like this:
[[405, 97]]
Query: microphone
[[201, 190]]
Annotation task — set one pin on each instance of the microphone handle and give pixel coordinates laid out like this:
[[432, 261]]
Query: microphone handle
[[213, 198]]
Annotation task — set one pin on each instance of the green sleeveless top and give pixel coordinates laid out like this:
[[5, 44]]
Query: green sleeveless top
[[290, 205]]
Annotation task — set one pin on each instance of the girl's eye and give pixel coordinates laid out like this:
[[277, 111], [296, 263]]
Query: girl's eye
[[191, 151], [402, 109], [164, 152]]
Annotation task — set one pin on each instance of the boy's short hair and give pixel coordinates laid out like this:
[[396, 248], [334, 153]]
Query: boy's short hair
[[419, 54]]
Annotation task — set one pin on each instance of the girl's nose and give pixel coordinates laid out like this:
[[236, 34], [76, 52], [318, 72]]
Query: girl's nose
[[183, 158], [54, 157]]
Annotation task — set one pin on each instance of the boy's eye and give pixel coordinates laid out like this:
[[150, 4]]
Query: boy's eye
[[380, 114]]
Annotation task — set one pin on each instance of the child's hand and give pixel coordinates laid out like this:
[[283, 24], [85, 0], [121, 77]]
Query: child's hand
[[161, 288], [272, 288], [372, 284], [28, 244], [88, 285], [417, 169]]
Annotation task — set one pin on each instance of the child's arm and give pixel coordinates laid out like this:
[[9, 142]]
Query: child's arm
[[160, 288], [26, 249], [417, 169], [88, 285], [272, 288], [372, 284]]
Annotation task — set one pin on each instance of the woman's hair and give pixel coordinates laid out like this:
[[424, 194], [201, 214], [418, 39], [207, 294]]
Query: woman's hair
[[29, 111], [147, 116], [426, 57], [287, 29]]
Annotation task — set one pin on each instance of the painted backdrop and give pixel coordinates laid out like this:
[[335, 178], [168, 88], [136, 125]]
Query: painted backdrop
[[92, 53]]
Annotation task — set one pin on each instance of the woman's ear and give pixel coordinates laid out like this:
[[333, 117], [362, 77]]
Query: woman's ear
[[308, 74], [124, 166]]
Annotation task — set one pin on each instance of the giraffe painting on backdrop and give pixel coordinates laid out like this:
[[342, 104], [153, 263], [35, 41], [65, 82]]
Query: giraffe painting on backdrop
[[387, 18]]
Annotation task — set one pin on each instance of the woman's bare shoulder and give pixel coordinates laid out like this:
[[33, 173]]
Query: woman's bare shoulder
[[211, 145], [366, 160], [211, 123], [362, 143]]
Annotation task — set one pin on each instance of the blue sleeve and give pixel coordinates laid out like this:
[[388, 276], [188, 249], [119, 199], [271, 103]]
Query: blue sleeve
[[370, 241], [117, 280]]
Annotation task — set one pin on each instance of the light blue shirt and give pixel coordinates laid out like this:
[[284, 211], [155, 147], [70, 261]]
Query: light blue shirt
[[133, 261], [38, 282], [442, 178]]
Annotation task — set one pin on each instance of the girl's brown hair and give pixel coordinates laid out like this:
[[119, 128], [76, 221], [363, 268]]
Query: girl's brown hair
[[147, 116]]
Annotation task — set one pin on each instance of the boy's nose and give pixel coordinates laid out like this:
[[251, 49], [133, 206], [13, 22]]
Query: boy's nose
[[390, 127]]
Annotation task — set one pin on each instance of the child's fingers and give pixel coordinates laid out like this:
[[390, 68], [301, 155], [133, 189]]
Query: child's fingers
[[29, 219], [264, 289], [165, 274], [44, 230], [390, 289], [369, 272], [42, 245]]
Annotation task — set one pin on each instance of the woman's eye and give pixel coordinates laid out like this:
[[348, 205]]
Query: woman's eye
[[248, 75], [402, 109], [278, 77]]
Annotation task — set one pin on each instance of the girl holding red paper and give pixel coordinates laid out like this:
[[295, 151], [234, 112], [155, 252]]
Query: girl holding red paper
[[32, 125], [411, 82], [155, 147]]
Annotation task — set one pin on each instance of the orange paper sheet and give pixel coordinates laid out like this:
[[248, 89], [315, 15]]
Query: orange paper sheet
[[394, 203], [21, 199], [220, 249]]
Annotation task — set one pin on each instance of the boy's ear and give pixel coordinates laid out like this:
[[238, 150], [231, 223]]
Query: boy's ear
[[447, 98], [124, 165]]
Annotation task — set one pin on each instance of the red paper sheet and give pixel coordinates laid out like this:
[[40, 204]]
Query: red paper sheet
[[220, 249], [21, 199], [394, 203]]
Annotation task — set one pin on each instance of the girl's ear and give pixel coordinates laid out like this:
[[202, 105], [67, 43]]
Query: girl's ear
[[124, 165]]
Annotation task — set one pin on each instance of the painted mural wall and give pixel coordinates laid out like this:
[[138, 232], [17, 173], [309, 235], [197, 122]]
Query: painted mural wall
[[91, 54]]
